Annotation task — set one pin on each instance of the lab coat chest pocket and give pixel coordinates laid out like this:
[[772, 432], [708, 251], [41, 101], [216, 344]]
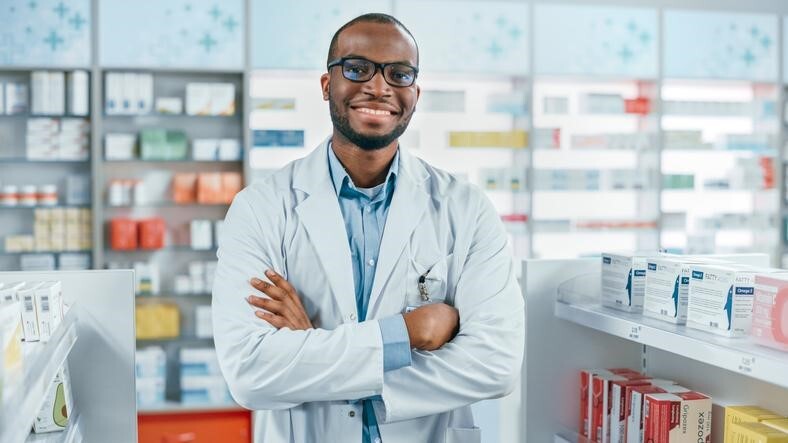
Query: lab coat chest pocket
[[427, 280]]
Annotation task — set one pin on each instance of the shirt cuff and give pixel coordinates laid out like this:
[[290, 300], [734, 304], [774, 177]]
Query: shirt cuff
[[396, 343]]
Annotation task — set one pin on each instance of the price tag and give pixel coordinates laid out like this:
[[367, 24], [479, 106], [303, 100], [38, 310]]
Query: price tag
[[634, 333], [747, 364]]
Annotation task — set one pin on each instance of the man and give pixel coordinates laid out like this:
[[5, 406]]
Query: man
[[390, 302]]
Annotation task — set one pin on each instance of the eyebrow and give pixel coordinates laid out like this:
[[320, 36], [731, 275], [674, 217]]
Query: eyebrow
[[404, 62]]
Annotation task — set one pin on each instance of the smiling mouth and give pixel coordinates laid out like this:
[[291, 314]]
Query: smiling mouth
[[373, 111]]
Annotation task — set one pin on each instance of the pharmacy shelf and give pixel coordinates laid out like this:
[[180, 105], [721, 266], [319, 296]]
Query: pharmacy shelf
[[42, 360], [29, 208], [169, 205], [174, 248], [187, 161], [38, 162], [13, 253], [72, 434], [180, 408], [740, 356]]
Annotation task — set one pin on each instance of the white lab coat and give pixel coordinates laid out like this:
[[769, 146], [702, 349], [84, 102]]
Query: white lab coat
[[300, 381]]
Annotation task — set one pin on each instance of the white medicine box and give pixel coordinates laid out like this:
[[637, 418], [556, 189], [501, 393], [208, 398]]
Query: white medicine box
[[624, 280]]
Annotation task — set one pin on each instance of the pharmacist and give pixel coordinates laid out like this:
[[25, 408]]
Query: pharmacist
[[387, 301]]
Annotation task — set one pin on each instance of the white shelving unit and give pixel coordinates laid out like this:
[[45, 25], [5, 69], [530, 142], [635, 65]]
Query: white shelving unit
[[41, 362], [96, 342], [560, 308]]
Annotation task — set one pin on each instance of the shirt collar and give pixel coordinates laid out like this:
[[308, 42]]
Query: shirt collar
[[342, 180]]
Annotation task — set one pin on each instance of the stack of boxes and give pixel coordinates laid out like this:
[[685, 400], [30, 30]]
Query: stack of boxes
[[151, 371], [206, 99], [128, 93], [14, 98], [201, 379], [56, 229], [58, 139], [199, 280], [206, 187], [754, 424]]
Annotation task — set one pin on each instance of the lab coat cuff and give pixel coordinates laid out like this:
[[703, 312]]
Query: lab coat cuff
[[396, 343]]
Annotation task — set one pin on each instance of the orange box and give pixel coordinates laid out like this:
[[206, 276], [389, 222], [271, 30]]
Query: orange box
[[231, 185], [123, 234], [184, 186], [151, 233], [209, 188]]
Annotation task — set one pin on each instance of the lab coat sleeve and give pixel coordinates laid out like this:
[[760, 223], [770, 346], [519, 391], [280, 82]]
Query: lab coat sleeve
[[266, 368], [484, 360]]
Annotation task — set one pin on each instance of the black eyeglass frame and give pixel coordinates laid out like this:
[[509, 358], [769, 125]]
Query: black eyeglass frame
[[382, 66]]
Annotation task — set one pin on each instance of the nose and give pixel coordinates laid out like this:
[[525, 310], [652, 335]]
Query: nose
[[377, 86]]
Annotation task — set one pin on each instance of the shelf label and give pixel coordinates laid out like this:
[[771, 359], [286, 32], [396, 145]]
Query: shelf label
[[747, 365], [634, 333]]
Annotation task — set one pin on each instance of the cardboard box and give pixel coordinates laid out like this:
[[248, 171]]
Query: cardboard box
[[49, 308], [200, 232], [624, 280], [780, 424], [184, 187], [617, 409], [745, 414], [749, 432], [721, 298], [636, 398], [222, 99], [209, 188], [27, 295], [667, 287], [231, 185], [587, 395], [198, 99], [677, 418], [123, 234], [152, 232], [770, 311], [58, 405]]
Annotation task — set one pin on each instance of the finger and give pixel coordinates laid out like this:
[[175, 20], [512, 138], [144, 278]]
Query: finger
[[268, 289], [276, 321], [274, 306], [279, 281]]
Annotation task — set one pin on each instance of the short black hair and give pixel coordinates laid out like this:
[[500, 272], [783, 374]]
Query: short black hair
[[373, 17]]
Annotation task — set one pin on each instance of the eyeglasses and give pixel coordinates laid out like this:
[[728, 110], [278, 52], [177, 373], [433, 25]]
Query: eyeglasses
[[360, 70]]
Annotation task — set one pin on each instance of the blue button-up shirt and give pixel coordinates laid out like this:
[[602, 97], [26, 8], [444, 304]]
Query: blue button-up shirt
[[364, 211]]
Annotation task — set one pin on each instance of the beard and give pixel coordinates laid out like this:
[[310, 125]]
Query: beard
[[363, 141]]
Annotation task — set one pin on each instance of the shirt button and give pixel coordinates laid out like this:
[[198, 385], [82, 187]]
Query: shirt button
[[351, 414], [371, 262], [377, 440], [368, 209], [352, 316]]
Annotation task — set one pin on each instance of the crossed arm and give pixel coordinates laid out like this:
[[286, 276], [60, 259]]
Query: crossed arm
[[429, 327]]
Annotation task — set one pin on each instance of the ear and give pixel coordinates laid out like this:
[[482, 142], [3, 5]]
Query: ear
[[418, 93], [325, 79]]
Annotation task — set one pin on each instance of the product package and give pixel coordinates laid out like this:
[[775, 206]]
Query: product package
[[58, 405], [754, 432], [683, 417], [624, 280], [721, 298], [636, 399], [745, 414], [27, 295], [667, 288], [123, 234], [49, 308], [587, 395], [770, 311]]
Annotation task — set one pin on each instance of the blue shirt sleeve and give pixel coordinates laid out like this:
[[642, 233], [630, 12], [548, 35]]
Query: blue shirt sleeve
[[396, 343]]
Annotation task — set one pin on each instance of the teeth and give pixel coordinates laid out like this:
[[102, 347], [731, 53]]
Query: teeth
[[374, 111]]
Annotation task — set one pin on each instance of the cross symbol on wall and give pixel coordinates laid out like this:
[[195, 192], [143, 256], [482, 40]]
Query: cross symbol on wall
[[32, 4], [207, 42], [215, 12], [53, 40], [61, 10], [230, 24], [495, 49], [625, 53], [77, 21], [748, 57]]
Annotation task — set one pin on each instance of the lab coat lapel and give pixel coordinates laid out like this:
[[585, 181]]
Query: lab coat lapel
[[408, 204], [322, 218]]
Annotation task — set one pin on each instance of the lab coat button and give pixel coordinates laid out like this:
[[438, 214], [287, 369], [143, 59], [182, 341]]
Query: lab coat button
[[371, 262], [351, 414]]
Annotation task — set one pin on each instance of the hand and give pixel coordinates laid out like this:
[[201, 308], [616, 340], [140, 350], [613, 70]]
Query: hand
[[431, 326], [284, 308]]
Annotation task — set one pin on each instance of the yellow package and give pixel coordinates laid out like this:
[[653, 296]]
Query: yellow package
[[777, 423], [488, 139], [753, 432], [157, 321]]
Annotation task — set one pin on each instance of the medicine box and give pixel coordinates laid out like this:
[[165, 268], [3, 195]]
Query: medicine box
[[587, 395], [721, 298], [636, 396], [199, 361], [770, 311], [150, 362], [667, 287], [754, 432], [683, 417], [780, 424], [27, 296], [204, 389], [49, 308], [602, 386], [624, 280], [745, 414], [57, 406], [617, 406]]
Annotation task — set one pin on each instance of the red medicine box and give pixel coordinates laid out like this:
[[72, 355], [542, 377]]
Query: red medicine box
[[123, 234], [151, 233]]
